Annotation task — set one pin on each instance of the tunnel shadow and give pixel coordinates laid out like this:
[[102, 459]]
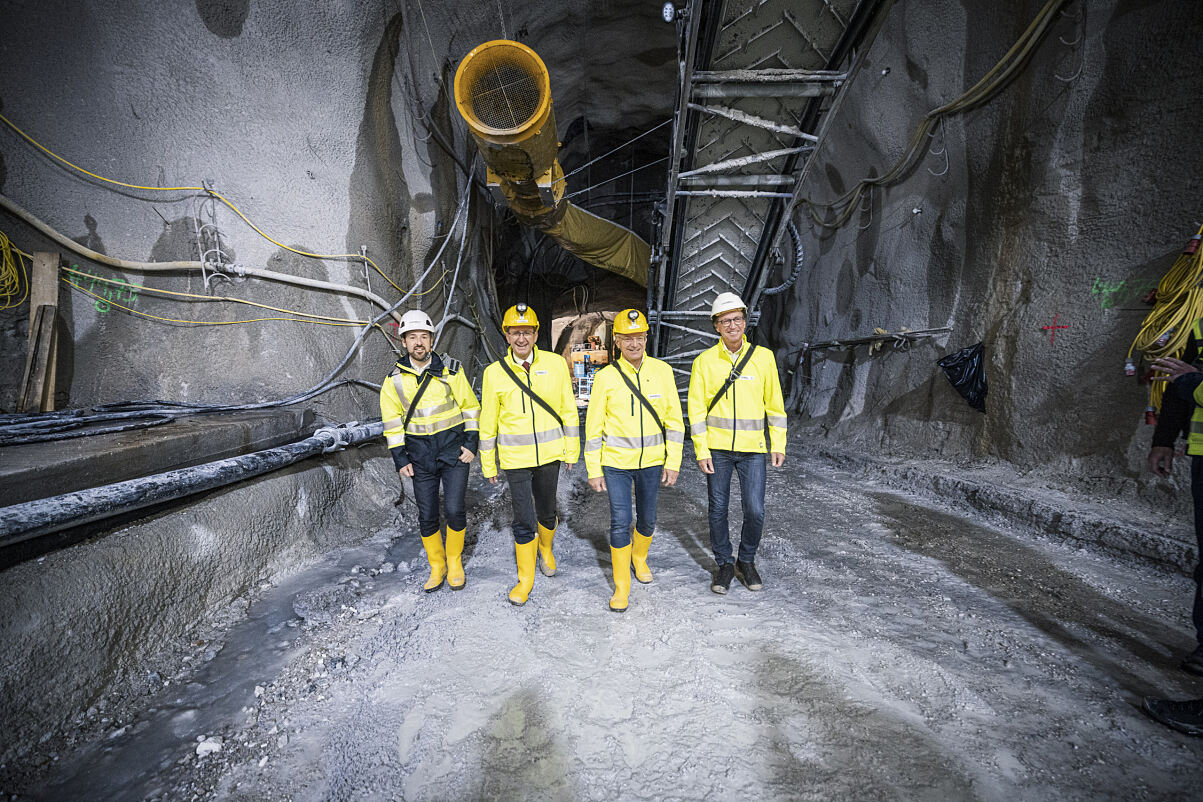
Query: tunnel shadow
[[822, 742], [1047, 597]]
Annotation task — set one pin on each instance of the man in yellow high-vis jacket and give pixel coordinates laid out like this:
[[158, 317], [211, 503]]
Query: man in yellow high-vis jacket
[[431, 421], [736, 415], [528, 419], [627, 444]]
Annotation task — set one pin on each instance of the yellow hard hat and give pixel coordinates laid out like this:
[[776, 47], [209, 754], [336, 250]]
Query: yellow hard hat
[[630, 321], [519, 315]]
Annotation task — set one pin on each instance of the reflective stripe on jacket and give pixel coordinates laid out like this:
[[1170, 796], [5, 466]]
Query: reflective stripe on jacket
[[515, 427], [620, 432], [447, 417], [737, 422]]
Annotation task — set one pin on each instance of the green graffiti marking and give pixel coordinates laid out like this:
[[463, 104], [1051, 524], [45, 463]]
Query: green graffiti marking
[[121, 292], [1125, 292]]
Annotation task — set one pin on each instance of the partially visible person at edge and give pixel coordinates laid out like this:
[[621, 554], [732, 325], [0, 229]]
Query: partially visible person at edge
[[626, 446], [736, 415], [431, 423], [532, 440], [1182, 413]]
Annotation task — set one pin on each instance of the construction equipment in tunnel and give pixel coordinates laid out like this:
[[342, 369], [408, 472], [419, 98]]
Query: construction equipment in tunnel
[[503, 92], [1177, 304]]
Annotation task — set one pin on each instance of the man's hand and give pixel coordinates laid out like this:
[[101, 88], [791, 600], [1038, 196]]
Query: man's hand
[[465, 455], [707, 465], [598, 484], [1173, 368], [778, 459], [408, 470], [492, 480], [568, 467], [668, 478], [1161, 460]]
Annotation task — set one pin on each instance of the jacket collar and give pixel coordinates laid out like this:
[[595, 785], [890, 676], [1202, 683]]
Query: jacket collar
[[435, 366], [534, 353]]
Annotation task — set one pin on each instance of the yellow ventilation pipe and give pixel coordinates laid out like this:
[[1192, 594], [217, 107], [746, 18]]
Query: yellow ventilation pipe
[[503, 92]]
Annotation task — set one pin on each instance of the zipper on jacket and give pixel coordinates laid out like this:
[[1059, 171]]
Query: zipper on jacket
[[734, 418]]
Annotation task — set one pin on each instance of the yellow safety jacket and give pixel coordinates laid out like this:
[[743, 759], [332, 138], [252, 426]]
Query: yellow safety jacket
[[447, 403], [514, 426], [620, 432], [1194, 440], [749, 406]]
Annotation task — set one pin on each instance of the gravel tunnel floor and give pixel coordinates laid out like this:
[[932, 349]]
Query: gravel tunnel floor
[[898, 651]]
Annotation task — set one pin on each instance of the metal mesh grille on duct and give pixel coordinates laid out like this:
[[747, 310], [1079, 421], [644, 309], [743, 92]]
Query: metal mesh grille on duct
[[506, 95]]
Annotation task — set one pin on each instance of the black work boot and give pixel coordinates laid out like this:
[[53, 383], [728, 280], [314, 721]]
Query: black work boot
[[1193, 663], [747, 574], [1185, 716], [722, 579]]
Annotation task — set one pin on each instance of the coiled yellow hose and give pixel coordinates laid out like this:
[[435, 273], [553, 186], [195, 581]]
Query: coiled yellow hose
[[1179, 304]]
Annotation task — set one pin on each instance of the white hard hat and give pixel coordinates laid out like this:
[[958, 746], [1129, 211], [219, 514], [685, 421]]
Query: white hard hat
[[415, 321], [726, 302]]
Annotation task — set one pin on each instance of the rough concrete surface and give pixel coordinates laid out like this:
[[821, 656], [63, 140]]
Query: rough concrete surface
[[1069, 194], [80, 623], [899, 651]]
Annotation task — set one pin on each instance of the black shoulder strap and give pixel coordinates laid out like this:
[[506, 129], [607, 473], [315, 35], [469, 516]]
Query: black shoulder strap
[[423, 383], [533, 395], [735, 374], [642, 399]]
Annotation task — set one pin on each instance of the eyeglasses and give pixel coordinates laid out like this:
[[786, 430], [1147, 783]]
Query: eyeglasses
[[731, 322]]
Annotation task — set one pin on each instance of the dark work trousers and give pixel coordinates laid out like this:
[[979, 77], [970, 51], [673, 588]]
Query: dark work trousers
[[1196, 491], [533, 497], [751, 469], [454, 479], [619, 481]]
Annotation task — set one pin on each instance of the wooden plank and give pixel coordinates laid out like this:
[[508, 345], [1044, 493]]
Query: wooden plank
[[43, 291], [34, 383]]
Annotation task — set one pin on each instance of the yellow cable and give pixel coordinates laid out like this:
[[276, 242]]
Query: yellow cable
[[11, 270], [143, 288], [211, 192], [1179, 304]]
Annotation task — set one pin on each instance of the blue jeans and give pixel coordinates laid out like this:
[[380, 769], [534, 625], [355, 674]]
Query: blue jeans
[[454, 479], [751, 470], [647, 489]]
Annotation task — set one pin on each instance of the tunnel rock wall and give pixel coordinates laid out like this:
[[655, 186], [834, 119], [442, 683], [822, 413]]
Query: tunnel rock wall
[[296, 114], [1065, 197]]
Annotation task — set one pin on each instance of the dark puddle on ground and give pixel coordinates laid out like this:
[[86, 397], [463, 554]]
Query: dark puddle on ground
[[1051, 599]]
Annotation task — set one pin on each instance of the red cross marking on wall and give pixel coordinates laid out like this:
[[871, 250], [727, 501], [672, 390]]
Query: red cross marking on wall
[[1052, 329]]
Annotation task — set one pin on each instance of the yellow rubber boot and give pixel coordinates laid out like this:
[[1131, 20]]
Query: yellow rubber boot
[[438, 561], [622, 578], [455, 550], [640, 546], [547, 560], [525, 555]]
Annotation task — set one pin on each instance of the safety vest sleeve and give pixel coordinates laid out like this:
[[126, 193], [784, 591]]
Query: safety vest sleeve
[[774, 404], [469, 407], [671, 415], [595, 420], [696, 401], [490, 410], [393, 416], [568, 410]]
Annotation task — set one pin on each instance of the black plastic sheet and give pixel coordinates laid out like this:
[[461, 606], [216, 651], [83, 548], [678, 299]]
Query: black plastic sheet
[[966, 369]]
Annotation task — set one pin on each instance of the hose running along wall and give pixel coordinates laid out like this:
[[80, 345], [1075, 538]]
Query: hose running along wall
[[31, 519], [503, 92]]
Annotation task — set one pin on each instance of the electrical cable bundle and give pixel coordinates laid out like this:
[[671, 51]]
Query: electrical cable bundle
[[12, 268], [1179, 303]]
